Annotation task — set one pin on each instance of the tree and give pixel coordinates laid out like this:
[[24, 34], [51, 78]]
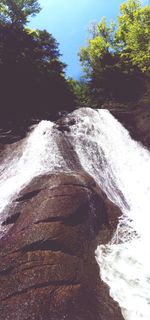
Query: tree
[[115, 57], [17, 12], [80, 93], [133, 34], [32, 77], [100, 45]]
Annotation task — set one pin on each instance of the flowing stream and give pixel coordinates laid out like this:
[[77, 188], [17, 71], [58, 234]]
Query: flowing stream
[[120, 166]]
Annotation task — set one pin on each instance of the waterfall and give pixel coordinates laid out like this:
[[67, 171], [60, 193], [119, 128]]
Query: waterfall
[[102, 147], [37, 154], [121, 168]]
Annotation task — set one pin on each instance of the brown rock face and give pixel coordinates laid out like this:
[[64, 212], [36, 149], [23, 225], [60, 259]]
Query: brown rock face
[[47, 265]]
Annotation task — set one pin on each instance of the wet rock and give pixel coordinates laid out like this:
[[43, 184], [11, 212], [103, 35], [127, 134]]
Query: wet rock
[[63, 128], [47, 265], [63, 124]]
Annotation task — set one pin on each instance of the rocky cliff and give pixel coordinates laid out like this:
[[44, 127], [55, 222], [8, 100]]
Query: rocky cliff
[[135, 117], [47, 264]]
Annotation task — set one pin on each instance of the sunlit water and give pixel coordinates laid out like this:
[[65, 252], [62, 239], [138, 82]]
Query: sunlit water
[[121, 168], [36, 154]]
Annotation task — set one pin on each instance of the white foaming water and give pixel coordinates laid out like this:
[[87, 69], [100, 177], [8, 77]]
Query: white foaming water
[[121, 167], [36, 154]]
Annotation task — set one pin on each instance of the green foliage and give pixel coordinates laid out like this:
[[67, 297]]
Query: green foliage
[[32, 77], [133, 34], [99, 46], [117, 57], [18, 11], [80, 92]]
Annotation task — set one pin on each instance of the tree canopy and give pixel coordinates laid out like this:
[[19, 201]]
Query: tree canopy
[[18, 11], [32, 76], [116, 57], [133, 34]]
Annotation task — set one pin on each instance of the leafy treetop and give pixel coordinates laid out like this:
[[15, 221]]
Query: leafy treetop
[[130, 41], [32, 78], [17, 11], [133, 34], [117, 57]]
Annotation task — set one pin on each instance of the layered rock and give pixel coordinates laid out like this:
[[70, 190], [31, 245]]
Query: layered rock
[[47, 265]]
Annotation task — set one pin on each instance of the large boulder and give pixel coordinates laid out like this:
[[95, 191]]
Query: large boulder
[[47, 265]]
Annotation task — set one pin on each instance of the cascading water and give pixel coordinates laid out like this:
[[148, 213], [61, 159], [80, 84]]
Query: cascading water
[[120, 166], [36, 154]]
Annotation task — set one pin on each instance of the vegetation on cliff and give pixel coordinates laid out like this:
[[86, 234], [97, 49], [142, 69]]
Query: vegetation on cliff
[[115, 63], [116, 58], [32, 77]]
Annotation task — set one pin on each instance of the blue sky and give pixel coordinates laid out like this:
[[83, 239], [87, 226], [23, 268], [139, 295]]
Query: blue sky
[[68, 21]]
